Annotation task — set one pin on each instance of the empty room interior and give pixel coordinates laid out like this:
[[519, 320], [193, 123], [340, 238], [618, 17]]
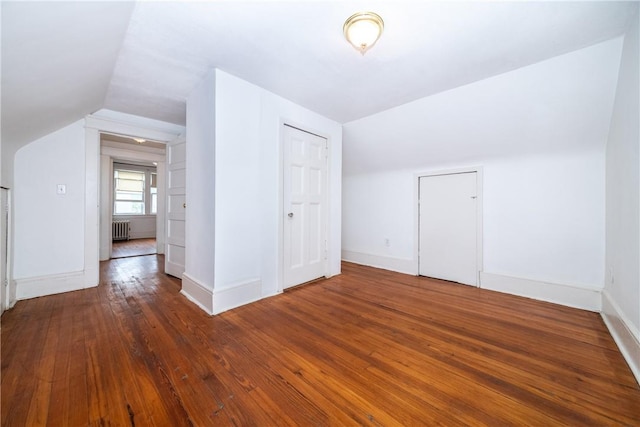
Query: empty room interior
[[320, 213]]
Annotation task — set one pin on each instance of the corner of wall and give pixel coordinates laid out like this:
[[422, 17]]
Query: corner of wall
[[197, 293], [234, 296], [33, 287], [624, 334], [581, 297], [399, 265]]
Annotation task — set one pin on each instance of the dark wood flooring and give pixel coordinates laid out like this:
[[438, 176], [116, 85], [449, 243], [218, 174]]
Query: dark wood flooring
[[136, 247], [368, 347]]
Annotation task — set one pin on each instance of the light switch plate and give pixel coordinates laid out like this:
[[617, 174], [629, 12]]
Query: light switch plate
[[61, 189]]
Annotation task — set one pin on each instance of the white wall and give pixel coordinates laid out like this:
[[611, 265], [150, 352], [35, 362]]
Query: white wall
[[544, 218], [49, 233], [248, 124], [539, 134], [198, 278], [140, 227], [621, 297], [238, 182], [56, 237], [248, 189], [537, 210]]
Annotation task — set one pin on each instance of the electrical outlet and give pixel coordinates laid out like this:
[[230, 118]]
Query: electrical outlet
[[387, 242]]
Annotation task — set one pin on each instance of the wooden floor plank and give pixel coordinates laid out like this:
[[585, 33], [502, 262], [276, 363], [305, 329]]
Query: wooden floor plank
[[134, 247], [368, 347]]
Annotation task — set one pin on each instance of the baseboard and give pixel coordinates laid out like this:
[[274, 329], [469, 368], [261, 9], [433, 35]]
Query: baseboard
[[572, 296], [236, 295], [623, 332], [400, 265], [197, 293], [33, 287], [142, 235]]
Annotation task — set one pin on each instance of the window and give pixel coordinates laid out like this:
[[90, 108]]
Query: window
[[129, 193], [135, 190]]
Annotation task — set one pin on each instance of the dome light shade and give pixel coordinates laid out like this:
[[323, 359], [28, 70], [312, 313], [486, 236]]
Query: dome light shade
[[363, 30]]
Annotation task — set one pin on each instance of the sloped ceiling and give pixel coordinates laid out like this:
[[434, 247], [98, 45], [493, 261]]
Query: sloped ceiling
[[57, 62], [62, 60]]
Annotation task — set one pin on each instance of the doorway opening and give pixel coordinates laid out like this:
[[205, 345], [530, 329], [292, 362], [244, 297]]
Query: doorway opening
[[131, 216]]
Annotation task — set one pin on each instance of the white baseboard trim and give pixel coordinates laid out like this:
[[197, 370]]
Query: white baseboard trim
[[197, 293], [236, 295], [400, 265], [572, 296], [33, 287], [626, 336], [142, 235]]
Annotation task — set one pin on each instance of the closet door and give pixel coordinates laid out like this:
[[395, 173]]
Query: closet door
[[448, 227]]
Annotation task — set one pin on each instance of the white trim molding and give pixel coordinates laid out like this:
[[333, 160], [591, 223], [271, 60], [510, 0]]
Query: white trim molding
[[582, 297], [236, 295], [400, 265], [197, 293], [626, 336], [33, 287], [105, 121]]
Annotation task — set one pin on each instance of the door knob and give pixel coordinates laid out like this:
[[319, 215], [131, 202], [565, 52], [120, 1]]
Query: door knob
[[290, 215]]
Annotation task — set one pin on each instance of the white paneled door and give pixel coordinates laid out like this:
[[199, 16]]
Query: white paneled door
[[305, 206], [448, 227], [174, 257]]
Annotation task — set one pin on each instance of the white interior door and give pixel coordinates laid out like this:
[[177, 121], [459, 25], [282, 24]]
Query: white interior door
[[448, 227], [305, 206], [174, 256]]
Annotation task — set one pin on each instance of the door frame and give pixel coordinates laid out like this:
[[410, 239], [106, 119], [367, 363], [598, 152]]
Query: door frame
[[281, 209], [10, 291], [479, 213], [109, 156], [94, 126]]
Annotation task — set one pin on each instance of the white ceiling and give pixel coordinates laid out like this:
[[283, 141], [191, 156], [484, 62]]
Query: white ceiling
[[62, 60]]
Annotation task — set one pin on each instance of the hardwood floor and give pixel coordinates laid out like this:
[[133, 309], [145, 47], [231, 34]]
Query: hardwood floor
[[136, 247], [368, 347]]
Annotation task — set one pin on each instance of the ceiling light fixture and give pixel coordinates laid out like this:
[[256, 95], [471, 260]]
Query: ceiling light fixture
[[139, 140], [363, 30]]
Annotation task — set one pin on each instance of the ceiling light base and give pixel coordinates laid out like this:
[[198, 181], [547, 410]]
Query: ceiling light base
[[362, 30]]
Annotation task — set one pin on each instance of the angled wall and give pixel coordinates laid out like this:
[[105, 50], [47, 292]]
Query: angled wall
[[538, 133], [621, 296], [49, 227]]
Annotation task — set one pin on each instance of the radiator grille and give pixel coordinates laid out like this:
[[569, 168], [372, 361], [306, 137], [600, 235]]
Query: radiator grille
[[120, 230]]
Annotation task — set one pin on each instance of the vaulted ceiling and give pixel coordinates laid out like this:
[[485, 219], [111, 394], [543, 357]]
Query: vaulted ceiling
[[63, 60]]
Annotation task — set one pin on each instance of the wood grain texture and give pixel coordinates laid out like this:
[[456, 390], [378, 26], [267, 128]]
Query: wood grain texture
[[135, 247], [368, 347]]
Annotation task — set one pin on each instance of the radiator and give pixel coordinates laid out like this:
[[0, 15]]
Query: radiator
[[120, 230]]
